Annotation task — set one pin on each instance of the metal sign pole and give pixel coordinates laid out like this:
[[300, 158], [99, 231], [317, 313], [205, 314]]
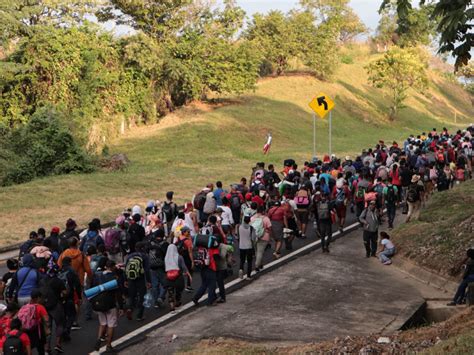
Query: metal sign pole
[[330, 133], [314, 135]]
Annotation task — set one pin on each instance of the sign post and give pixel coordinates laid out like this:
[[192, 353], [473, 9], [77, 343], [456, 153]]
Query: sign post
[[322, 104]]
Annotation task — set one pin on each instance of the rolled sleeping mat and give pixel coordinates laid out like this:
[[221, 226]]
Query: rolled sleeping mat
[[94, 291]]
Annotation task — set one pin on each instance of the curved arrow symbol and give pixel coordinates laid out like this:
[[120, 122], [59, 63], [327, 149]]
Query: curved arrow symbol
[[322, 101]]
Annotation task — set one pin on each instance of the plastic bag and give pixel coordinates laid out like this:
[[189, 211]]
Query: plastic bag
[[148, 300]]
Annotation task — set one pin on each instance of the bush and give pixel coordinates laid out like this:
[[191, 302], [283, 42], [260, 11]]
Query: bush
[[44, 146], [347, 59]]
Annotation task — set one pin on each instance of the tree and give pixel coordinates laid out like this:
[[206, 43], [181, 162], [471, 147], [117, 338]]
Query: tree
[[455, 24], [337, 12], [399, 70]]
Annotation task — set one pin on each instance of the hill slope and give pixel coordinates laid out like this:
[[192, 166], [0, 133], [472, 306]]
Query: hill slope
[[202, 143]]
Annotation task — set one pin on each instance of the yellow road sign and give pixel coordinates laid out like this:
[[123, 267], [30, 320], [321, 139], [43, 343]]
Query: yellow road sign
[[321, 104]]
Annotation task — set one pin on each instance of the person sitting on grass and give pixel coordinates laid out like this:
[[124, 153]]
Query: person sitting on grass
[[387, 249], [467, 277]]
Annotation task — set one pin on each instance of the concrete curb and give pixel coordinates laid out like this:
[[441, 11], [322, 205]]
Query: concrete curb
[[138, 334]]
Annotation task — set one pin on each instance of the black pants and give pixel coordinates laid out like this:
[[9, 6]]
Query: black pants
[[136, 293], [370, 243], [325, 232], [246, 255], [221, 275], [37, 339], [69, 316], [391, 211]]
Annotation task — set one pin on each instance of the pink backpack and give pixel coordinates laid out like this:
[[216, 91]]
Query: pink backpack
[[27, 315]]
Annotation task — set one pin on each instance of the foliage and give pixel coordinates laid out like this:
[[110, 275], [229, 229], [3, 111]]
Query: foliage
[[455, 24], [398, 70], [42, 147]]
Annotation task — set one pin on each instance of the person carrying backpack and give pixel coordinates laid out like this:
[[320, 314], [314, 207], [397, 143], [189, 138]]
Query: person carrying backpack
[[137, 272], [175, 268], [72, 296], [53, 292], [279, 221], [157, 246], [25, 280], [15, 341], [66, 236], [79, 262], [12, 266], [247, 238], [302, 201], [371, 222], [113, 239], [198, 203], [341, 197], [34, 320], [415, 195], [323, 210], [185, 249], [33, 241], [263, 229], [92, 238], [390, 197], [108, 305], [170, 211]]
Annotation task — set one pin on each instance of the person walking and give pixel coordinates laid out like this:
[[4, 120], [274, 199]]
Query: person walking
[[278, 218], [323, 209], [176, 269], [25, 280], [261, 243], [390, 197], [137, 272], [371, 222], [415, 196], [246, 239]]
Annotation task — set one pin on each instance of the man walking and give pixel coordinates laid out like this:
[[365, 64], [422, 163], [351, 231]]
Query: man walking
[[370, 220]]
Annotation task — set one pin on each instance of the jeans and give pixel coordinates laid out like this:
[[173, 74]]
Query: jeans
[[461, 292], [246, 255], [158, 289], [370, 242], [208, 282], [136, 293], [221, 275], [261, 246], [325, 232], [56, 316], [391, 211], [386, 254]]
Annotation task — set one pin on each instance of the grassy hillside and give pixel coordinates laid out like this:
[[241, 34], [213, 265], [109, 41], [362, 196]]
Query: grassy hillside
[[439, 240], [203, 143]]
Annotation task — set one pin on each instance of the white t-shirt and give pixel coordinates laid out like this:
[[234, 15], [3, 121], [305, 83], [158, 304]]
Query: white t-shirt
[[387, 243], [227, 218]]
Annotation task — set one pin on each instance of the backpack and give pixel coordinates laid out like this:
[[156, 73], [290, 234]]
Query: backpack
[[156, 257], [301, 201], [105, 300], [90, 242], [199, 200], [390, 197], [65, 238], [340, 196], [49, 298], [112, 240], [167, 210], [412, 194], [94, 263], [63, 276], [201, 257], [207, 230], [323, 210], [257, 225], [181, 247], [360, 193], [13, 344], [235, 202], [27, 315], [124, 241], [134, 269]]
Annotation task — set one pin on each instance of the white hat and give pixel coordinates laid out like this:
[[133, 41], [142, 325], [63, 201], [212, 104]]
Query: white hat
[[136, 210]]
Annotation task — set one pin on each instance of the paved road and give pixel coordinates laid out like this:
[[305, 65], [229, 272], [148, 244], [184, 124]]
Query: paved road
[[83, 340], [314, 298]]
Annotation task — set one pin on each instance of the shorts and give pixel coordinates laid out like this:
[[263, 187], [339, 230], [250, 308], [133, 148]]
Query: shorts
[[277, 230], [76, 298], [341, 210], [302, 216], [109, 318]]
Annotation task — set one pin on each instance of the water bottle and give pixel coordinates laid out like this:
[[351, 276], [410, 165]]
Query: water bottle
[[148, 300]]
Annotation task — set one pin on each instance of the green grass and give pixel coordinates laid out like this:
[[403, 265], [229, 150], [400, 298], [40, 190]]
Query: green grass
[[438, 241], [201, 144]]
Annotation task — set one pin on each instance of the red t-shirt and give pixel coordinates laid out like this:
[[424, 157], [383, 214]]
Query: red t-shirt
[[212, 262], [5, 322], [25, 339], [41, 312], [277, 213], [258, 200]]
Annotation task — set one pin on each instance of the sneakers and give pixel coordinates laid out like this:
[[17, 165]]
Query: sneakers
[[159, 303], [196, 303], [189, 289], [220, 300], [277, 255], [60, 350], [110, 350], [341, 230], [140, 318], [241, 274], [75, 326], [452, 303], [388, 262], [97, 345]]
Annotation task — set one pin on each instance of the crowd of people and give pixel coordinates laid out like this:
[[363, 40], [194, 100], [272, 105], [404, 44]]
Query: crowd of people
[[154, 252]]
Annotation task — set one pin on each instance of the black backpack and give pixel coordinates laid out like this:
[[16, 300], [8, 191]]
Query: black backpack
[[390, 194], [105, 300], [235, 202], [157, 254], [168, 210], [13, 345]]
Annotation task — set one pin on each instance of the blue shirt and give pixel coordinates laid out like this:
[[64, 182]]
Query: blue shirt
[[217, 195]]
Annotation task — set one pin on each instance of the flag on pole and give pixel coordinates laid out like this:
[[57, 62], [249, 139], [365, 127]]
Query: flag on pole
[[268, 144]]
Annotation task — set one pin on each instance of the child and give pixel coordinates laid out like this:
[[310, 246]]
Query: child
[[387, 249]]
